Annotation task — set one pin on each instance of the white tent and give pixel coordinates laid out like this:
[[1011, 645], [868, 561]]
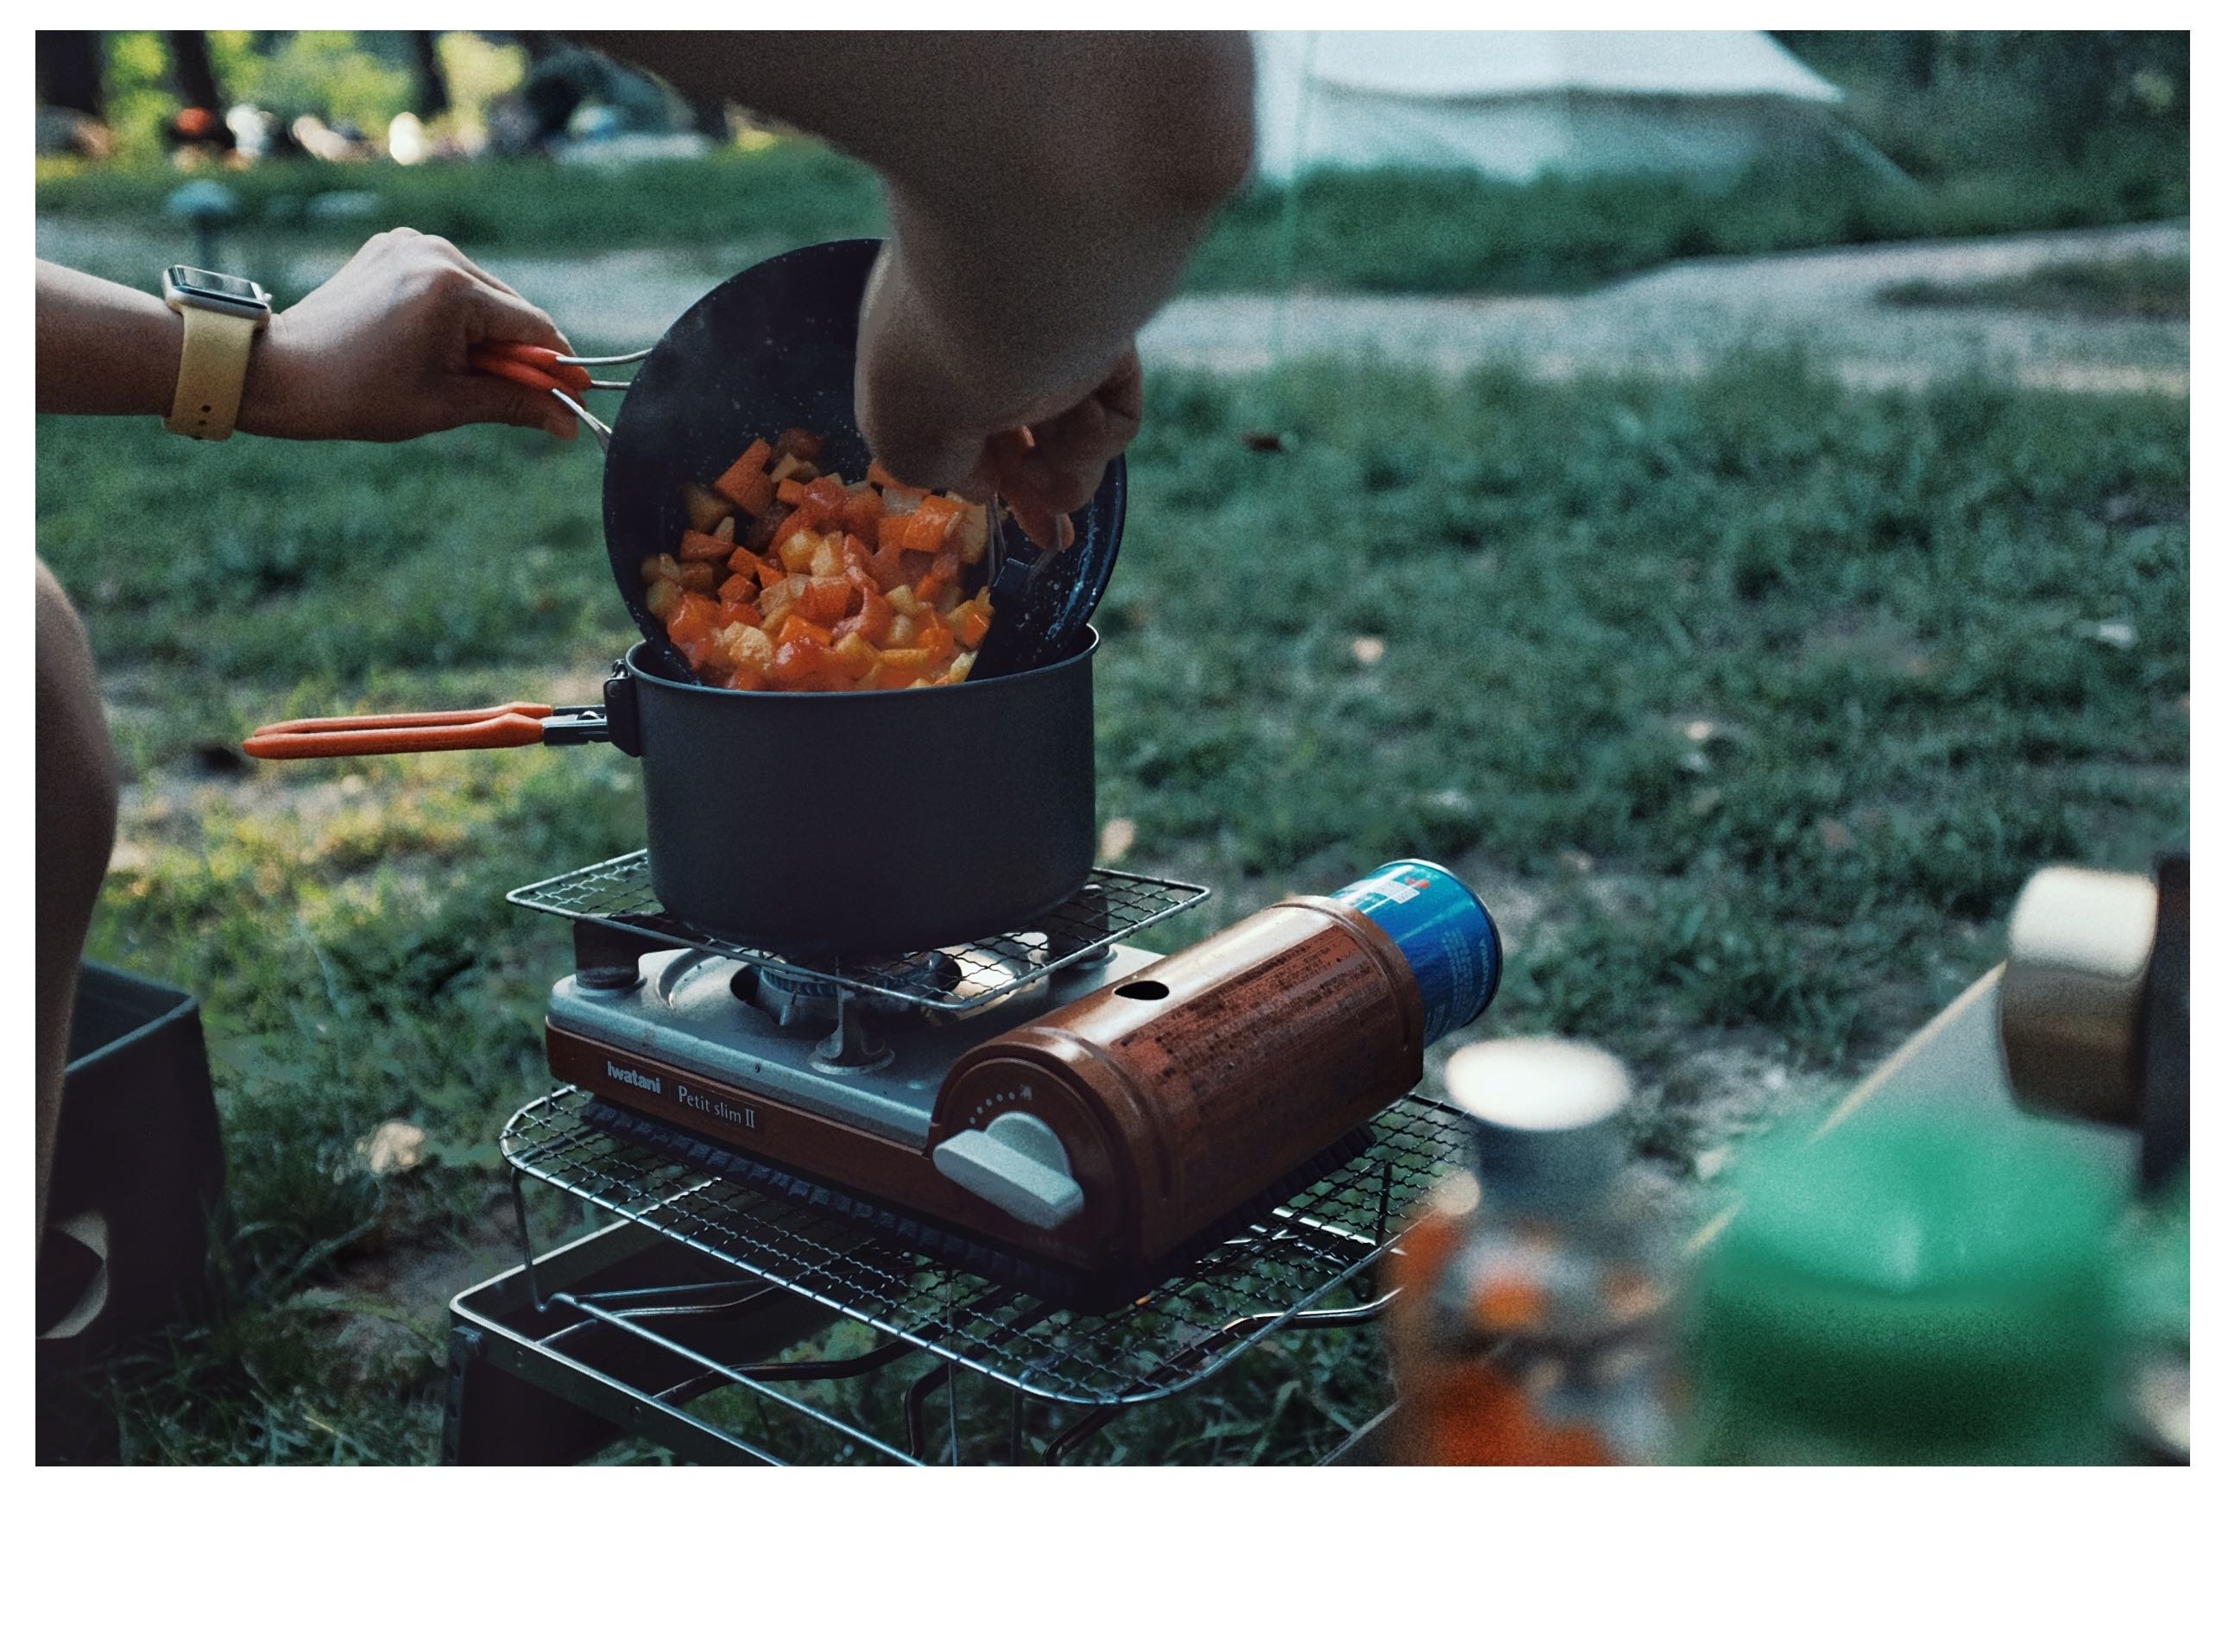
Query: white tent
[[1518, 104]]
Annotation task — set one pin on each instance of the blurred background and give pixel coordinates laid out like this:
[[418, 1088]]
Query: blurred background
[[1726, 495]]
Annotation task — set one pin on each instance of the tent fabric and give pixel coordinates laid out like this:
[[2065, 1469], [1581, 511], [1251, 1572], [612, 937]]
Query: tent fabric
[[1516, 104]]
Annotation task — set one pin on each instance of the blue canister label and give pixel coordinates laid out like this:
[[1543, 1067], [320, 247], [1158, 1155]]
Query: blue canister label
[[1444, 932]]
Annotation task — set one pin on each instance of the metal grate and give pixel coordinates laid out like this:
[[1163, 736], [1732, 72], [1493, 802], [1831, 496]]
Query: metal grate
[[1179, 1334], [1110, 907]]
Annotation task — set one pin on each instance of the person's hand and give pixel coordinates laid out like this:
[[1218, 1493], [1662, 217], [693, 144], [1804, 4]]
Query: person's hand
[[929, 422], [381, 353], [1051, 464]]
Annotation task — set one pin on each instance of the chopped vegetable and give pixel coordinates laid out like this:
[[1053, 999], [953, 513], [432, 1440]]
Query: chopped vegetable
[[790, 579]]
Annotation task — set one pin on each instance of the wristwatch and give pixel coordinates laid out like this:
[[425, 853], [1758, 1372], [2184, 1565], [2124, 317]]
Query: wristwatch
[[222, 314]]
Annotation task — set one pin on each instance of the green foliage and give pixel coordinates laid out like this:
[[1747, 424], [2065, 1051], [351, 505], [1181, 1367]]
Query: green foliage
[[1753, 698], [325, 73]]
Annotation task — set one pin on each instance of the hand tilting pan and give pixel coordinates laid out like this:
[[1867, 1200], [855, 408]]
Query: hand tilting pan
[[773, 349]]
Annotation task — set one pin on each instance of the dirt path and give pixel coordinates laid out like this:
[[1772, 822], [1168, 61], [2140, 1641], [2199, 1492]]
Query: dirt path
[[1674, 319]]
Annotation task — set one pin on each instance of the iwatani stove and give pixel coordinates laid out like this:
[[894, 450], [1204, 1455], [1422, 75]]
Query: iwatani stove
[[1090, 1169]]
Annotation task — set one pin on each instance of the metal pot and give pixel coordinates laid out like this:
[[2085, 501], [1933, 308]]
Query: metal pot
[[818, 825]]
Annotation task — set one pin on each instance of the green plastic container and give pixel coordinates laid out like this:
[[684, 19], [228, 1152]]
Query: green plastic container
[[1913, 1288]]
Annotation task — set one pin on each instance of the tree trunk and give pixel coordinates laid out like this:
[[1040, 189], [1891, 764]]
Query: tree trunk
[[194, 74], [432, 83], [68, 65]]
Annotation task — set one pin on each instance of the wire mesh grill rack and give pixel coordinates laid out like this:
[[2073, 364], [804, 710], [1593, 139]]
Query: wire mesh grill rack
[[967, 978], [1176, 1336]]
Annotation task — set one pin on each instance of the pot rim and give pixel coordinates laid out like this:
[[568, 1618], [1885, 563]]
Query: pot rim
[[639, 664]]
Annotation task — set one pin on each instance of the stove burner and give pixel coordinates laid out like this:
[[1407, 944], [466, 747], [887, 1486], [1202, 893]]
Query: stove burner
[[794, 996]]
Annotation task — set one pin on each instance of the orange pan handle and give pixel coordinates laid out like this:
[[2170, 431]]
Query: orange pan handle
[[534, 366], [403, 719], [437, 731]]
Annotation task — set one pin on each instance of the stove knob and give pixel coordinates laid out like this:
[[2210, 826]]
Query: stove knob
[[1018, 1165]]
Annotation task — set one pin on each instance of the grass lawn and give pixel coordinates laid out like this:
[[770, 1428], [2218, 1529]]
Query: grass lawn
[[1749, 702]]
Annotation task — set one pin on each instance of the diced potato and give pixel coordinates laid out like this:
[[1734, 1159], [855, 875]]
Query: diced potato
[[663, 599], [902, 631], [959, 668], [745, 645], [856, 656], [825, 561], [903, 601], [787, 466], [972, 535], [723, 530], [799, 550], [906, 660], [704, 507]]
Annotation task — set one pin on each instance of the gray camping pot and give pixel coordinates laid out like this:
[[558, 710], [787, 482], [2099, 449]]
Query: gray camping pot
[[818, 825]]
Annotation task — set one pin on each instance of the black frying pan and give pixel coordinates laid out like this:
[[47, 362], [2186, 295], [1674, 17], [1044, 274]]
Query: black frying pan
[[774, 348]]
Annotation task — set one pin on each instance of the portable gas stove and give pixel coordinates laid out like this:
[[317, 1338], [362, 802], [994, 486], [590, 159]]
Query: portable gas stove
[[771, 1118]]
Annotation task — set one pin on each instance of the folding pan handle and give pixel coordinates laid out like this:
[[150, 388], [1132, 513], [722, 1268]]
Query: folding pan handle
[[490, 728]]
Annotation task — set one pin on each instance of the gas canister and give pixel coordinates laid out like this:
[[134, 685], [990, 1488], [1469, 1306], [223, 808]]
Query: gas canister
[[1175, 1095]]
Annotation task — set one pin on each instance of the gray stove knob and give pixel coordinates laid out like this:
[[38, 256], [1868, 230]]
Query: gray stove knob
[[1017, 1164]]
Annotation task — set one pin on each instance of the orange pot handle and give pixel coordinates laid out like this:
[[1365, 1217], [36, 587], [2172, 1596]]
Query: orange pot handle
[[490, 729]]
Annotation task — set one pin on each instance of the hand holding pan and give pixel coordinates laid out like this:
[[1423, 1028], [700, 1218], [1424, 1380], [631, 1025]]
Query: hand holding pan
[[774, 348]]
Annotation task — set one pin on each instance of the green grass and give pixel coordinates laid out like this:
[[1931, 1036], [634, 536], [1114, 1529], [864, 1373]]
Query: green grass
[[2146, 287], [1887, 607], [1375, 231]]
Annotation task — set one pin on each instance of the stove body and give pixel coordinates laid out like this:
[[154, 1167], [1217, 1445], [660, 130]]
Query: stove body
[[1083, 1103]]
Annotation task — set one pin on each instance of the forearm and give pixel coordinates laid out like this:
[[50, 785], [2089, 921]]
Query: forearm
[[1045, 190], [103, 348]]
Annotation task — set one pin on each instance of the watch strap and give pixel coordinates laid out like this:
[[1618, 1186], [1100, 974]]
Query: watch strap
[[211, 372]]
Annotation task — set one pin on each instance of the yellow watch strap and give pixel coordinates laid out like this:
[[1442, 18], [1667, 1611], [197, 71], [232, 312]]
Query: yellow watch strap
[[211, 372]]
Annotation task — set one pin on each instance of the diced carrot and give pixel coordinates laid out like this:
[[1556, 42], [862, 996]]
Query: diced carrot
[[971, 624], [828, 495], [802, 443], [800, 658], [889, 535], [745, 561], [742, 588], [865, 510], [872, 618], [745, 482], [824, 601], [692, 627], [790, 492], [797, 626], [906, 660], [738, 613], [703, 548], [876, 473], [931, 525]]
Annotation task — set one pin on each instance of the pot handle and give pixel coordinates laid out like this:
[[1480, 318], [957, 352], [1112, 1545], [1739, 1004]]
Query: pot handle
[[490, 728]]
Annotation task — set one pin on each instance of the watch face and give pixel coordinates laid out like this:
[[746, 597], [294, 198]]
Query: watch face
[[218, 290]]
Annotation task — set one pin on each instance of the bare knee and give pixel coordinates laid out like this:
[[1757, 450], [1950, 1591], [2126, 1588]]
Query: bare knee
[[75, 764]]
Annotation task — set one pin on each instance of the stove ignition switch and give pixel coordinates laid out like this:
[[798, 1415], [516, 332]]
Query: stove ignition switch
[[1018, 1165]]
